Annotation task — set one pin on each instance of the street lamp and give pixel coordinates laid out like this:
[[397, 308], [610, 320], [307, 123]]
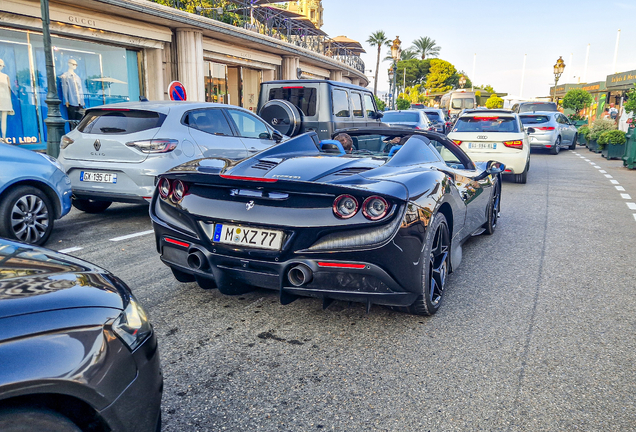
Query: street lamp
[[396, 52], [462, 81], [559, 66], [391, 90], [54, 121]]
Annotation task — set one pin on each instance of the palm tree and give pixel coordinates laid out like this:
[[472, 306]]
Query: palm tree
[[378, 39], [425, 47]]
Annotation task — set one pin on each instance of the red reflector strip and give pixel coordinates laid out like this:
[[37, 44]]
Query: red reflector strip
[[341, 265], [258, 179], [176, 242]]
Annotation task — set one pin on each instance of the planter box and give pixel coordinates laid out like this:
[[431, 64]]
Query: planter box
[[593, 146], [580, 139], [579, 123], [613, 151]]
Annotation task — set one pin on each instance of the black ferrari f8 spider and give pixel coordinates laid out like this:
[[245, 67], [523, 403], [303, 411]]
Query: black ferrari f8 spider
[[381, 224]]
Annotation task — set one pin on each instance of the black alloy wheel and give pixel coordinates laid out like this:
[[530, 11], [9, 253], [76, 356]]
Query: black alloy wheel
[[34, 419], [573, 145], [26, 215], [493, 212], [556, 147], [435, 267], [90, 206]]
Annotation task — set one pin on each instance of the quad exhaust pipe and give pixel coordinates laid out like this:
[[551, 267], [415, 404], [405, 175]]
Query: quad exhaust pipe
[[197, 261], [300, 275]]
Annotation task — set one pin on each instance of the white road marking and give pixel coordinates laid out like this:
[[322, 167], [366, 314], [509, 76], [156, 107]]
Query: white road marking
[[129, 236], [632, 206], [608, 176], [586, 160], [597, 167], [620, 188], [614, 182], [71, 249], [602, 171], [634, 216], [626, 196]]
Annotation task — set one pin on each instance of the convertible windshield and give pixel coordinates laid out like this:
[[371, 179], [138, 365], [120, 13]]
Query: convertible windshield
[[486, 124]]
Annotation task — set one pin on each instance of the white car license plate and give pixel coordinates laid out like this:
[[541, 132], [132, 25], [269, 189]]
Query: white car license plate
[[248, 236], [488, 146], [97, 177]]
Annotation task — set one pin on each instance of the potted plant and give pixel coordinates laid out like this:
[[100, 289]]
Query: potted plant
[[612, 144], [598, 127], [577, 100], [582, 135]]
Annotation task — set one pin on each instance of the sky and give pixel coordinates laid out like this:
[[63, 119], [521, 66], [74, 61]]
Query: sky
[[496, 35]]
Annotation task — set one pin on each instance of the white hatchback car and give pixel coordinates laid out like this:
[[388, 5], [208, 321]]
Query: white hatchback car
[[494, 135]]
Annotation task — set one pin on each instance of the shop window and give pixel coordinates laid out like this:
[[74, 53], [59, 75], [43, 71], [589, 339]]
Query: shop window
[[87, 74], [211, 121], [249, 126], [216, 83]]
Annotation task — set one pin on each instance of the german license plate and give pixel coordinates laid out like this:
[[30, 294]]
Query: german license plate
[[98, 177], [480, 146], [248, 236]]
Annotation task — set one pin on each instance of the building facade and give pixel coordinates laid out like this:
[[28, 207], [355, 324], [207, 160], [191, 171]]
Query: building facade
[[108, 51]]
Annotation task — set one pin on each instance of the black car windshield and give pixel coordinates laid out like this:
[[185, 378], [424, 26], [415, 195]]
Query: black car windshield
[[486, 124], [534, 119], [540, 106], [413, 117]]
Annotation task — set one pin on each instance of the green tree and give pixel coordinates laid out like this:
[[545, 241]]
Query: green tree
[[478, 98], [577, 99], [440, 72], [425, 47], [630, 105], [402, 104], [379, 103], [454, 80], [378, 39], [494, 102], [416, 71], [487, 88]]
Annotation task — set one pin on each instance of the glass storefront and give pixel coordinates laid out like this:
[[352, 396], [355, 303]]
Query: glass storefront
[[87, 74], [215, 82], [232, 85]]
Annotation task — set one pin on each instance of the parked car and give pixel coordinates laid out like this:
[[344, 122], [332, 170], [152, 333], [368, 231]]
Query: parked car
[[552, 130], [381, 225], [415, 119], [494, 134], [297, 106], [523, 107], [455, 101], [34, 192], [76, 348], [437, 119], [117, 150]]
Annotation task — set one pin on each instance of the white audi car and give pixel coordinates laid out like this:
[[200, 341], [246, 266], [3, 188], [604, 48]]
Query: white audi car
[[494, 135]]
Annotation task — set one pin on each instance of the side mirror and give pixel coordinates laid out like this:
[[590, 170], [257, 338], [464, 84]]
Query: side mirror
[[492, 168], [278, 137], [530, 130], [376, 115]]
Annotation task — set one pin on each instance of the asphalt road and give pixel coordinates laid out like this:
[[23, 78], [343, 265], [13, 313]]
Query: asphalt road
[[537, 330]]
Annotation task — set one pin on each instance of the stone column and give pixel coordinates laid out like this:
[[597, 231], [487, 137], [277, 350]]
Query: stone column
[[190, 63], [289, 67], [335, 75], [355, 81], [269, 75], [153, 73]]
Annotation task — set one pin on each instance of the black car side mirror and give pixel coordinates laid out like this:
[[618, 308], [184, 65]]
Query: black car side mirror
[[376, 115], [531, 130], [492, 168], [278, 137]]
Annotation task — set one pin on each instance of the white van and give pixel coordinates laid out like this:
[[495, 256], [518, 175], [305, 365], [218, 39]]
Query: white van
[[456, 101]]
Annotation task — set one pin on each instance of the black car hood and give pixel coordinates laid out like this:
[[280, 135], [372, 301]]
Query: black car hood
[[36, 280]]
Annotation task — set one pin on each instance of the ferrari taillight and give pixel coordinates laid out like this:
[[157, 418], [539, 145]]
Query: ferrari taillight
[[375, 208], [164, 187], [179, 190], [175, 189], [517, 144], [345, 206]]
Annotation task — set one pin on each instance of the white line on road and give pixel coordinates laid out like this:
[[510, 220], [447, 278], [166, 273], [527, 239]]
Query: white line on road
[[586, 160], [608, 176], [71, 249], [620, 188], [614, 182], [634, 216], [602, 171], [597, 167], [626, 196], [129, 236], [632, 206]]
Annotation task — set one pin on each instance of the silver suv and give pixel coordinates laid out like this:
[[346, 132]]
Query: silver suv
[[117, 150]]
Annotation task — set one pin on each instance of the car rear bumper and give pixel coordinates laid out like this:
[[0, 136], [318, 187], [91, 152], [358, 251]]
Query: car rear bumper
[[542, 141], [515, 163]]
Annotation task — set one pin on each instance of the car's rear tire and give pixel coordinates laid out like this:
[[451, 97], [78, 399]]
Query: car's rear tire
[[523, 177], [573, 145], [435, 267], [35, 419], [26, 215], [90, 206], [556, 147], [493, 212]]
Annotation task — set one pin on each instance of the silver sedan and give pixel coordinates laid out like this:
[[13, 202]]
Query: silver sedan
[[552, 130], [117, 150]]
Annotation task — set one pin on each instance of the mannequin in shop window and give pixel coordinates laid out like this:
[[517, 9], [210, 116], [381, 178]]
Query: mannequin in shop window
[[6, 106], [72, 92]]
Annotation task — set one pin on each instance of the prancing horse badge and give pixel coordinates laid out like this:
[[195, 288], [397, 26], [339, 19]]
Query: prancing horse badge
[[249, 205]]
